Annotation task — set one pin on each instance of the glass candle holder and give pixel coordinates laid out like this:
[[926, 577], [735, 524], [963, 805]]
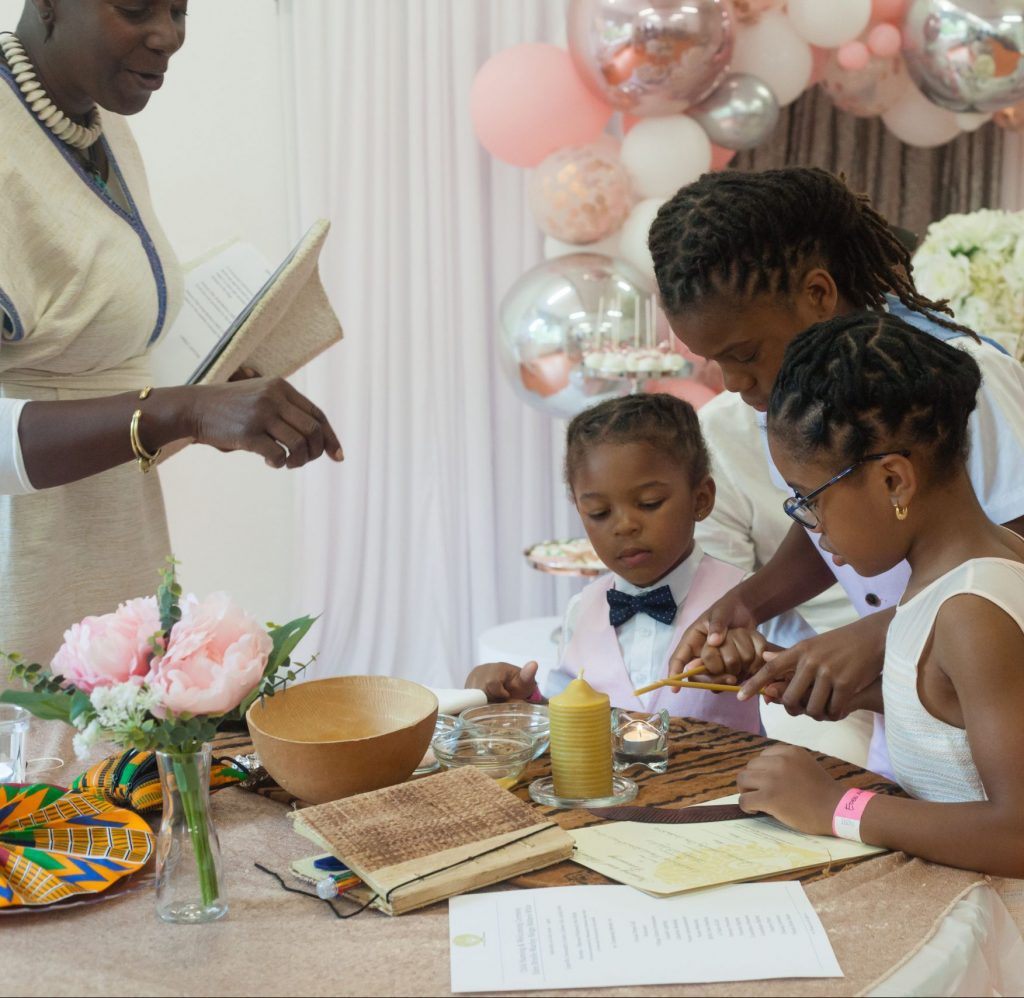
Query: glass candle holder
[[639, 739], [13, 730]]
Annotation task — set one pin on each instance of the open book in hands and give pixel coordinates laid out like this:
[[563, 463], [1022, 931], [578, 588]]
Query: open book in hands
[[236, 312]]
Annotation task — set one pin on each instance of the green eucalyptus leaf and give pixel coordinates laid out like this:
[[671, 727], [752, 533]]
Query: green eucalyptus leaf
[[45, 706]]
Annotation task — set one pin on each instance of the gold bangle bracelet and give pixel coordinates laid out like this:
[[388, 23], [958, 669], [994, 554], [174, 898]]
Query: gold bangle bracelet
[[143, 456]]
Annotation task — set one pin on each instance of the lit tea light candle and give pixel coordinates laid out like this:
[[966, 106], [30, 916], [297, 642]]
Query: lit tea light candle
[[581, 742], [638, 738]]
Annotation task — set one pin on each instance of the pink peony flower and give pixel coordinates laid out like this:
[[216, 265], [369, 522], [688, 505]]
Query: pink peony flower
[[215, 658], [113, 648]]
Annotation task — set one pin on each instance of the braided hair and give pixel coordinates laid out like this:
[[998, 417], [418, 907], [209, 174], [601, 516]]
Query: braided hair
[[867, 379], [663, 421], [751, 233]]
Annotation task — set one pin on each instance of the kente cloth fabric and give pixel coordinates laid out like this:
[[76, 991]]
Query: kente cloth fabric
[[89, 287], [930, 758], [55, 844], [131, 779], [657, 603]]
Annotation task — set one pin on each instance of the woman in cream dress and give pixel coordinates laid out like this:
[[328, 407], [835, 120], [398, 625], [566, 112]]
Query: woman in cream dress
[[88, 283]]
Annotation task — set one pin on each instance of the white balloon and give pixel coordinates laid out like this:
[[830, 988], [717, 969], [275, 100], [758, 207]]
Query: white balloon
[[606, 247], [969, 122], [772, 51], [664, 154], [829, 24], [633, 237], [918, 122]]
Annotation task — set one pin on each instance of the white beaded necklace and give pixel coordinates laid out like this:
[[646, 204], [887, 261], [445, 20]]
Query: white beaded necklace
[[68, 131]]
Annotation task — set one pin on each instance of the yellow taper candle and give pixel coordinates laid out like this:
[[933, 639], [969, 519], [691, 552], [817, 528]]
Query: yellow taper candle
[[581, 741]]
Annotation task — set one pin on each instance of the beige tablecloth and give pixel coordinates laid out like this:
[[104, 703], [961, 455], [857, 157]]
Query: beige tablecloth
[[271, 942]]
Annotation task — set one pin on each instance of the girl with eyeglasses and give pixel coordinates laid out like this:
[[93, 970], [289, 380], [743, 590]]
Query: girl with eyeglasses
[[744, 263], [868, 424]]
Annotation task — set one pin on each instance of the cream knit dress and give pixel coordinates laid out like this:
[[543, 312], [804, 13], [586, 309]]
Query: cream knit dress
[[90, 286]]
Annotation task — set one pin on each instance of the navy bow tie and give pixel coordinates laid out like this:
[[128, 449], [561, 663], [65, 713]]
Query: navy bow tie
[[658, 603]]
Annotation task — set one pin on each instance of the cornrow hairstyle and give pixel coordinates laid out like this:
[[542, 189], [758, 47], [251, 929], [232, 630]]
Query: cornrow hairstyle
[[869, 379], [751, 233], [663, 421]]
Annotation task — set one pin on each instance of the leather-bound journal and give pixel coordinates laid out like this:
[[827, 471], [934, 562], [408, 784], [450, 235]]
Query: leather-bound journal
[[429, 839]]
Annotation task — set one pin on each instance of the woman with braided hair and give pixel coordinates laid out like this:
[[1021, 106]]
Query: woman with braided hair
[[745, 262], [868, 424]]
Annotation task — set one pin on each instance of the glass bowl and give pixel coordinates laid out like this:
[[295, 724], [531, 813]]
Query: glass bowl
[[445, 724], [516, 715], [502, 755]]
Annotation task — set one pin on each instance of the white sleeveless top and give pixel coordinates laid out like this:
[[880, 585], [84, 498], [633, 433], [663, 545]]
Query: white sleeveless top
[[931, 759]]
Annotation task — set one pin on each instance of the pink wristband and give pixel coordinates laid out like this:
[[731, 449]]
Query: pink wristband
[[846, 820]]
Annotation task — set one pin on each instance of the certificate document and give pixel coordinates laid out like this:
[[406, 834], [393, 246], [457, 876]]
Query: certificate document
[[609, 936]]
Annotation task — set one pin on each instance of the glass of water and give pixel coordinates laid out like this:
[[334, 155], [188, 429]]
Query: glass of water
[[13, 731]]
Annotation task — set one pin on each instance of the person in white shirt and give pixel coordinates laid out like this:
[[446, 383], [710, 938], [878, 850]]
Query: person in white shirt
[[746, 261]]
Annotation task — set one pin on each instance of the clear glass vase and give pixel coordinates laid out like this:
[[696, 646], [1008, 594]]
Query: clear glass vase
[[189, 884]]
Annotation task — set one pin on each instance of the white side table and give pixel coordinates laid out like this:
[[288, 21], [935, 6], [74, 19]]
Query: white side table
[[519, 642]]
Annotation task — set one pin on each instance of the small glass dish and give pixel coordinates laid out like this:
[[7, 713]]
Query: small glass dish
[[516, 715], [502, 755], [542, 791], [445, 725]]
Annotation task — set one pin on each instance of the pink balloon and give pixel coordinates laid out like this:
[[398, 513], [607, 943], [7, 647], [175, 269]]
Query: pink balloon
[[853, 55], [721, 157], [527, 101], [683, 388], [885, 40], [888, 10]]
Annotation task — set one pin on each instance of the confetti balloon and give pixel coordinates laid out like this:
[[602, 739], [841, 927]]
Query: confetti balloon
[[869, 91], [966, 55], [580, 194], [750, 11], [650, 57]]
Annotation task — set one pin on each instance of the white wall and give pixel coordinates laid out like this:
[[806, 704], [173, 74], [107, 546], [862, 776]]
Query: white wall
[[213, 142]]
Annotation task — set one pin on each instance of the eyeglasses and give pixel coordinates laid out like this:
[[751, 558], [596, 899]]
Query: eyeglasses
[[799, 507]]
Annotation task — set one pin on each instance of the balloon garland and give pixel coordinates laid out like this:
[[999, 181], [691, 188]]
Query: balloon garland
[[694, 81]]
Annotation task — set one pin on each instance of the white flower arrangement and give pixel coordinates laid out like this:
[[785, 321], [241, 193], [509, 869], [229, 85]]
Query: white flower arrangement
[[976, 261]]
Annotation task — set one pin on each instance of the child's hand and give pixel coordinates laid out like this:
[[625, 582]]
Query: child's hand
[[787, 783], [502, 681], [735, 656]]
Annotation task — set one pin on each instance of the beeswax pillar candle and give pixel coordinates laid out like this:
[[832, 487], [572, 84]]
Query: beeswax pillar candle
[[581, 741]]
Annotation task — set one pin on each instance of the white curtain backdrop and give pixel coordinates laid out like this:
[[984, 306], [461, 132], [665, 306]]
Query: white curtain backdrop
[[414, 545]]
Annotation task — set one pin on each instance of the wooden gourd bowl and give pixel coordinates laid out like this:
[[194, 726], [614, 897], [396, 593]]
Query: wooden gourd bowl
[[332, 738]]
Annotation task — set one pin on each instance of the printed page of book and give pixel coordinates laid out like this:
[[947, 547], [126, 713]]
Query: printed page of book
[[663, 859], [217, 291], [609, 936]]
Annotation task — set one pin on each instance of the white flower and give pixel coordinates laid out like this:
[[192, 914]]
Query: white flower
[[943, 276], [977, 262], [87, 738], [123, 704]]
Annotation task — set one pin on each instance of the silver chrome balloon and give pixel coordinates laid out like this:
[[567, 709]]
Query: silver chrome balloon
[[740, 114], [966, 55], [651, 57], [551, 314]]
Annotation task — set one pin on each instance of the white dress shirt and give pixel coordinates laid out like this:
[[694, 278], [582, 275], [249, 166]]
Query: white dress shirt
[[645, 642]]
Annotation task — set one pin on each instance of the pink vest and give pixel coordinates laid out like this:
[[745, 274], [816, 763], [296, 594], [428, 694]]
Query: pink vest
[[594, 646]]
